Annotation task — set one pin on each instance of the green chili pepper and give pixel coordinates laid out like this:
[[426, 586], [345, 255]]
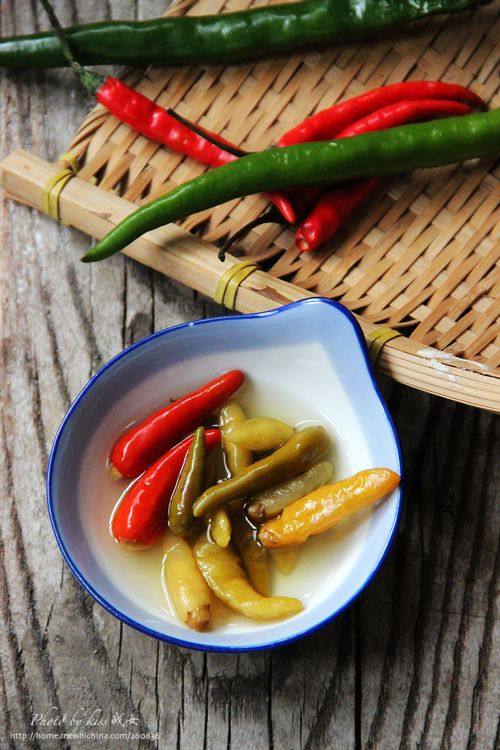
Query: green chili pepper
[[303, 449], [379, 153], [188, 487], [253, 554], [270, 502], [229, 37]]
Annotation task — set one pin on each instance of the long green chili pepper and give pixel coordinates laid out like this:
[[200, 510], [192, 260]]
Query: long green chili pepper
[[188, 487], [228, 37], [304, 449], [429, 144]]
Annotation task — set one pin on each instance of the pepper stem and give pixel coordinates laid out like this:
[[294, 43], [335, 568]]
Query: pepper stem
[[271, 216], [90, 81], [208, 136]]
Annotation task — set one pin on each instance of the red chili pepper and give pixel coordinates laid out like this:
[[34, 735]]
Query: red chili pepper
[[331, 211], [142, 513], [153, 121], [328, 123], [143, 443], [168, 128], [404, 112], [335, 206]]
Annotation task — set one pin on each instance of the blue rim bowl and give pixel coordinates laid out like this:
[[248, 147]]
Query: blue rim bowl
[[313, 351]]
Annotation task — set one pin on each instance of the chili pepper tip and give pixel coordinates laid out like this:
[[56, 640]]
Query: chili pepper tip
[[114, 473], [302, 245]]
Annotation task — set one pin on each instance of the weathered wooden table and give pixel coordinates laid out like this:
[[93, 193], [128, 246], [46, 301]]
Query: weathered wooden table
[[414, 663]]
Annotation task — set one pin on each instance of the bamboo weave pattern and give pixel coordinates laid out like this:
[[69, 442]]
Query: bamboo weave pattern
[[421, 257]]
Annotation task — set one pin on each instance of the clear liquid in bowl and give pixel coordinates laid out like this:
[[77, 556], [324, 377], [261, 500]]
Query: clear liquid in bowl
[[139, 573]]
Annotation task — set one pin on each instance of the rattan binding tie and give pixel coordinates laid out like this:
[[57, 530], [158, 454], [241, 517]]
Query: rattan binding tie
[[54, 185], [377, 339], [229, 282]]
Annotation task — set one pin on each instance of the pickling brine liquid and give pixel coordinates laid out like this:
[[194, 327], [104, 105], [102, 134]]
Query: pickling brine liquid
[[321, 563]]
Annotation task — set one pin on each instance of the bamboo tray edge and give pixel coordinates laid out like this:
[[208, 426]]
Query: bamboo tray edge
[[190, 260]]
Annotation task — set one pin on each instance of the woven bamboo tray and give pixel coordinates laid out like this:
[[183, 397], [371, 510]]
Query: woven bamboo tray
[[422, 257]]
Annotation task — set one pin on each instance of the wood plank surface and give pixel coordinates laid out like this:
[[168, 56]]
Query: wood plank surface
[[414, 663]]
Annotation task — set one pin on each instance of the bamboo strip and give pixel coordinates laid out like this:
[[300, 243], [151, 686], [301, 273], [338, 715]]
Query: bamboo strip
[[178, 254]]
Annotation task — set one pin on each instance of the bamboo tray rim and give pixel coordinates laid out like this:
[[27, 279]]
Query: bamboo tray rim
[[192, 261]]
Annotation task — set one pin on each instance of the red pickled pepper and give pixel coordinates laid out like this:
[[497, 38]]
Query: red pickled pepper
[[335, 206], [142, 512], [137, 448]]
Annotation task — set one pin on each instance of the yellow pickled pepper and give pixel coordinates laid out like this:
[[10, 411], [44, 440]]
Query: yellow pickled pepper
[[189, 593], [224, 574], [321, 510]]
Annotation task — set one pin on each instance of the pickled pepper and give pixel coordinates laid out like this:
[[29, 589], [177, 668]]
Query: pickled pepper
[[189, 485], [139, 446], [261, 434], [220, 527], [254, 556], [303, 449], [187, 589], [285, 559], [222, 570], [236, 457], [321, 510], [270, 502]]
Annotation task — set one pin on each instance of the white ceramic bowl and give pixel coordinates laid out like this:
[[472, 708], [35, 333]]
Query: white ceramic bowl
[[305, 362]]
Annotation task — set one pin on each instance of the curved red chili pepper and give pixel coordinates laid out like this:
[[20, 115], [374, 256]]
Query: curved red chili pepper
[[143, 443], [155, 122], [404, 112], [331, 211], [142, 513], [328, 123], [335, 206]]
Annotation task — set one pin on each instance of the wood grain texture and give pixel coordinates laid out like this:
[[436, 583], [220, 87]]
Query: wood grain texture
[[412, 664]]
